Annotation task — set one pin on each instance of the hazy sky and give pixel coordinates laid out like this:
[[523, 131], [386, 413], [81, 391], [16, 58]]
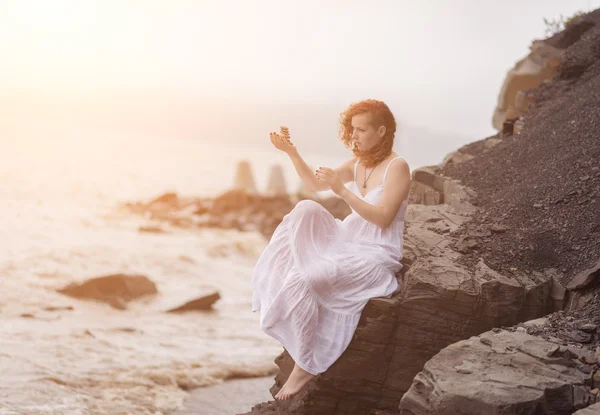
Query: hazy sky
[[437, 63]]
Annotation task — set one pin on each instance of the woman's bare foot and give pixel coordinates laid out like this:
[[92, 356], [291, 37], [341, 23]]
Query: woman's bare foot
[[297, 380]]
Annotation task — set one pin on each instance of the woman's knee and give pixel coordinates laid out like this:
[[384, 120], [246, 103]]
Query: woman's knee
[[320, 283]]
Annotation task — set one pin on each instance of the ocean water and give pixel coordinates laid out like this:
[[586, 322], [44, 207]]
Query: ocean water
[[59, 223]]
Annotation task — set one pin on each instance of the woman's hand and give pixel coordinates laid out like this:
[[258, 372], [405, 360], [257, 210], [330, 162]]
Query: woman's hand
[[282, 143], [330, 177]]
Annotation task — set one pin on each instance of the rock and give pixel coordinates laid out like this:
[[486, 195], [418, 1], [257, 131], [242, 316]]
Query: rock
[[588, 327], [584, 278], [169, 198], [151, 229], [596, 378], [276, 184], [244, 179], [159, 207], [558, 292], [115, 290], [230, 201], [201, 303], [541, 64], [429, 188], [511, 373], [59, 308], [498, 228], [578, 336], [577, 299], [465, 244]]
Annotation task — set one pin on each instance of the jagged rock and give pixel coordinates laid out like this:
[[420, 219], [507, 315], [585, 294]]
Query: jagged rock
[[276, 184], [541, 64], [244, 179], [204, 302], [441, 303], [160, 207], [115, 290], [429, 188], [169, 198], [585, 278], [504, 372], [232, 200]]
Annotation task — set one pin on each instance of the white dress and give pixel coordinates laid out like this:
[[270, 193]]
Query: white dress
[[317, 273]]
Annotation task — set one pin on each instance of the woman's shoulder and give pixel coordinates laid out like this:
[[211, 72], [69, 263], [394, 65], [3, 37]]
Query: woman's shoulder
[[398, 163], [395, 156]]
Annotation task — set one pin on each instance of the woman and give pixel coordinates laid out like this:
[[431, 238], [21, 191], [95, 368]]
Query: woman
[[317, 273]]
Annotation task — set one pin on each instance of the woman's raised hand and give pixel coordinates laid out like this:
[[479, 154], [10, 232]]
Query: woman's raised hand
[[330, 177], [282, 143]]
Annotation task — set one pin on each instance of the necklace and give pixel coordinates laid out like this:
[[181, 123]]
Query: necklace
[[367, 178]]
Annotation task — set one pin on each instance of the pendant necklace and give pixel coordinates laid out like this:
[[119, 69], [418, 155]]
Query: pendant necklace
[[367, 178]]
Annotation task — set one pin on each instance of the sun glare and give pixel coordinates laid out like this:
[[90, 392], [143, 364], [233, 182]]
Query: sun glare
[[50, 15]]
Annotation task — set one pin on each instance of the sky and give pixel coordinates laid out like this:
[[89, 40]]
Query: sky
[[439, 64]]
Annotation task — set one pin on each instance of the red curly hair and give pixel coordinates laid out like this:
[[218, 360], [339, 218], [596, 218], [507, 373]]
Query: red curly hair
[[380, 115]]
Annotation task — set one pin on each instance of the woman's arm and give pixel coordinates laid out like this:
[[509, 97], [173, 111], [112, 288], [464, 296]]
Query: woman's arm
[[345, 171], [395, 191]]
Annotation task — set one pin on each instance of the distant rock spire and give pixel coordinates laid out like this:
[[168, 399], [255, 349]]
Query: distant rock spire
[[276, 184], [244, 179]]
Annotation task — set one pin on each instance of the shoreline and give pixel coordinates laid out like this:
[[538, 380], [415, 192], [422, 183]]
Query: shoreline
[[229, 397]]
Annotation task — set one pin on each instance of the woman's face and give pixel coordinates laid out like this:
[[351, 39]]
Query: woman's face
[[364, 134]]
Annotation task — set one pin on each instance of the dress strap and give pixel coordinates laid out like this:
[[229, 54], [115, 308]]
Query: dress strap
[[386, 169], [355, 165]]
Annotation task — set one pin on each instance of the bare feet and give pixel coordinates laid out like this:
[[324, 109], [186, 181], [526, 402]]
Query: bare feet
[[297, 380]]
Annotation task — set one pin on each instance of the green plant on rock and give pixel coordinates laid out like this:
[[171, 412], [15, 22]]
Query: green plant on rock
[[557, 25]]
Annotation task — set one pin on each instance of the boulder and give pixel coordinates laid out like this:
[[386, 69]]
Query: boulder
[[116, 289], [430, 188], [507, 372]]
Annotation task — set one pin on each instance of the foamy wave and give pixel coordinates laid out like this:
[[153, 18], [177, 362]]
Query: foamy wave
[[145, 391]]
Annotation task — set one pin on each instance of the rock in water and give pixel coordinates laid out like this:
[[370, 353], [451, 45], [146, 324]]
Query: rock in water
[[201, 303], [244, 179], [116, 289], [276, 184]]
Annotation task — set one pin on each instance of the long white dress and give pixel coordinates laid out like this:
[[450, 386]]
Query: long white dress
[[317, 273]]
